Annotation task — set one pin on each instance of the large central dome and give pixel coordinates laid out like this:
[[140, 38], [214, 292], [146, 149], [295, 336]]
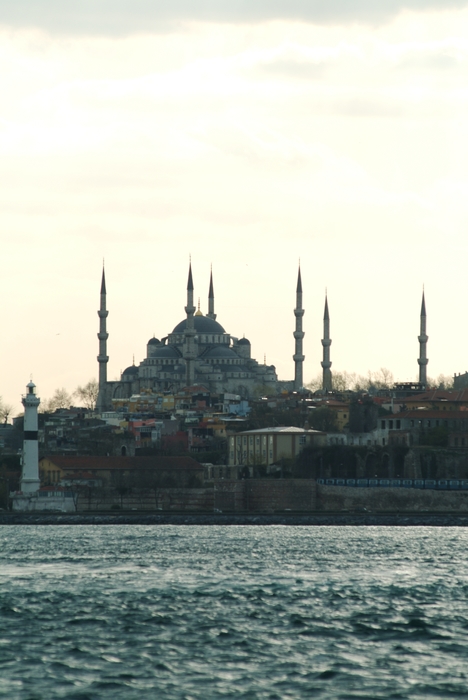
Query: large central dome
[[202, 324]]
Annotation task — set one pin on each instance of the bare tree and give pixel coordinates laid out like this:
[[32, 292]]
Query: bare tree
[[443, 381], [88, 394], [5, 411], [60, 399]]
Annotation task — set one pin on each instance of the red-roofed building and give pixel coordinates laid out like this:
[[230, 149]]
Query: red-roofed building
[[180, 471]]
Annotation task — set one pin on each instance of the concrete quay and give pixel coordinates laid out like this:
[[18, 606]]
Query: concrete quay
[[295, 519]]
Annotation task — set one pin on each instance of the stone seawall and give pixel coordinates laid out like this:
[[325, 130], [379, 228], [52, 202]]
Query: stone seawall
[[175, 500], [265, 495], [348, 499]]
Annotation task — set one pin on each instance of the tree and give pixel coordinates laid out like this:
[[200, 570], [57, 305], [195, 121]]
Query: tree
[[443, 381], [88, 394], [5, 411], [60, 399], [323, 419]]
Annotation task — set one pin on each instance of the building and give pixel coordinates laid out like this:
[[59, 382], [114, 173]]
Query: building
[[112, 471], [267, 446], [198, 350]]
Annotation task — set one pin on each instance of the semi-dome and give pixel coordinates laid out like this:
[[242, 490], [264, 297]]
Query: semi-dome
[[202, 324], [220, 353], [165, 351], [130, 370]]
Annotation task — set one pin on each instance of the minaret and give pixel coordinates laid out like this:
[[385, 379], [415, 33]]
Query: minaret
[[102, 358], [423, 338], [298, 357], [211, 313], [190, 352], [30, 482], [326, 342]]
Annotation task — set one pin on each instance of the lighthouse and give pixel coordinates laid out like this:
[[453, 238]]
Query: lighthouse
[[30, 473]]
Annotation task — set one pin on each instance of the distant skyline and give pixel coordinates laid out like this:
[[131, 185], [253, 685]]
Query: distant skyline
[[248, 135]]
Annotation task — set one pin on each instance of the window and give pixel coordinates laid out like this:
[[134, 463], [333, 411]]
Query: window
[[398, 424]]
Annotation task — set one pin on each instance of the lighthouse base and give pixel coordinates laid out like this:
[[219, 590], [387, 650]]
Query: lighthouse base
[[56, 501], [30, 486]]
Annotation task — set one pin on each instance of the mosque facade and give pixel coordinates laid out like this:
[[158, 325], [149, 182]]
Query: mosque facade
[[198, 351]]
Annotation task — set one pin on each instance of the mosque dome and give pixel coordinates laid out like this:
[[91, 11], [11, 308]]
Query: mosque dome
[[243, 341], [154, 341], [165, 351], [220, 353], [202, 324], [132, 370]]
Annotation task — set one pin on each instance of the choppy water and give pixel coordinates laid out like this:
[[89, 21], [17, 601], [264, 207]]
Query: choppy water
[[128, 612]]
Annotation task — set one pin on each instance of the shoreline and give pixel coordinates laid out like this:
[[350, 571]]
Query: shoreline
[[303, 519]]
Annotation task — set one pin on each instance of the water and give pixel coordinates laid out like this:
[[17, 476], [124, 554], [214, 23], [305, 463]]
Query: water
[[174, 612]]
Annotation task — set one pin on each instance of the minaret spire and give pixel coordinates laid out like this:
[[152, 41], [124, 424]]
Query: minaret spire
[[423, 338], [298, 357], [211, 313], [189, 352], [103, 335], [326, 342]]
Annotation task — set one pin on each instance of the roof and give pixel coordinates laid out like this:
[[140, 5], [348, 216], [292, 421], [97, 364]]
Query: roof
[[281, 430], [221, 352], [165, 351], [131, 370], [154, 341], [202, 324], [439, 395], [424, 414], [243, 341], [91, 463]]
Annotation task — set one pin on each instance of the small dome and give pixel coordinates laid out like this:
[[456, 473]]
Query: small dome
[[243, 341], [130, 370], [154, 341], [202, 324]]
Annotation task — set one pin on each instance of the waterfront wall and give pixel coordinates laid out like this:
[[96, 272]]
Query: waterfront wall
[[167, 500], [340, 499], [265, 495]]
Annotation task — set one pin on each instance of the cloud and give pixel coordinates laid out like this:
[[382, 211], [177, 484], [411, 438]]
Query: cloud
[[122, 17]]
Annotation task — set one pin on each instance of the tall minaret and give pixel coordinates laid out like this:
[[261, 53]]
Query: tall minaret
[[423, 338], [326, 342], [30, 482], [211, 313], [298, 357], [102, 358], [190, 352]]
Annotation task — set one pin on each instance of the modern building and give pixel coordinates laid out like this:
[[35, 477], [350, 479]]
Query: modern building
[[267, 446]]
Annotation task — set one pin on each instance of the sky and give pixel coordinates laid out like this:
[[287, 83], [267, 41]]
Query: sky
[[248, 136]]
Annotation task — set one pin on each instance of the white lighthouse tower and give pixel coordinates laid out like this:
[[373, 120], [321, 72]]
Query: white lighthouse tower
[[30, 473]]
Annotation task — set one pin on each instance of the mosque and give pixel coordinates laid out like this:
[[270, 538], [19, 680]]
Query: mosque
[[198, 351]]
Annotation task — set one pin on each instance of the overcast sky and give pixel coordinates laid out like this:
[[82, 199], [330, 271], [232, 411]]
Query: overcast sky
[[248, 135]]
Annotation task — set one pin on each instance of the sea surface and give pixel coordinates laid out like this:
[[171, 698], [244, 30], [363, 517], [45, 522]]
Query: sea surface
[[123, 612]]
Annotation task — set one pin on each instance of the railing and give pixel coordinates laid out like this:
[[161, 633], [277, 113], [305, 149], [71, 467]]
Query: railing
[[437, 484]]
